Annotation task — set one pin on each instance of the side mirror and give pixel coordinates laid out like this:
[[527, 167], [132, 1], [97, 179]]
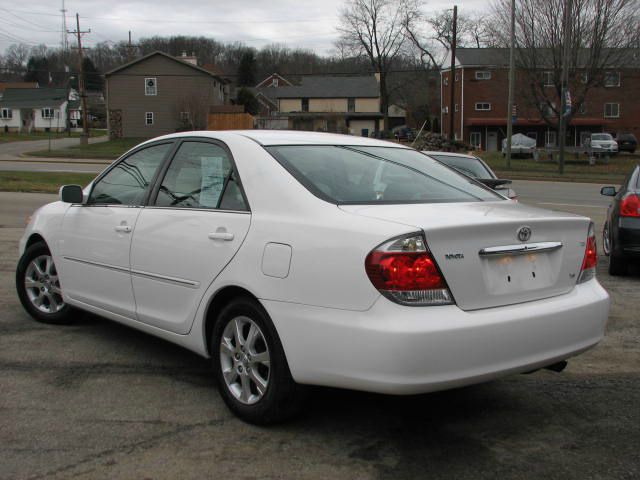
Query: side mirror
[[608, 191], [71, 194]]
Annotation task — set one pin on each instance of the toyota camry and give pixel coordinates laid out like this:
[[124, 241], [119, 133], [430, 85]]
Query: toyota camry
[[293, 259]]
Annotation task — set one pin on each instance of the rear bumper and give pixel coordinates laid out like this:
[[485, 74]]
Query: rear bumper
[[627, 237], [396, 349]]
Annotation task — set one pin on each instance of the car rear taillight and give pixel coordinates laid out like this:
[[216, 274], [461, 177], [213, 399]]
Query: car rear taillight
[[404, 271], [630, 206], [588, 270]]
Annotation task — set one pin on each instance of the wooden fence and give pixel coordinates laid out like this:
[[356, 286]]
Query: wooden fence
[[230, 121]]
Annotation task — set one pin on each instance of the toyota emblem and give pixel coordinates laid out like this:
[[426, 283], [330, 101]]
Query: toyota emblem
[[524, 234]]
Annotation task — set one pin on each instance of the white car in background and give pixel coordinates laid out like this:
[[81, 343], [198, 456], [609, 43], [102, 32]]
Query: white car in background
[[602, 143], [296, 258]]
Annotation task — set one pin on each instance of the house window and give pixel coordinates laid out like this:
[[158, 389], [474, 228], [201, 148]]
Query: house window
[[445, 109], [475, 139], [483, 106], [612, 79], [483, 75], [148, 118], [6, 113], [456, 76], [47, 112], [305, 104], [150, 86], [547, 79], [351, 105], [274, 82], [445, 80], [456, 107], [185, 116], [550, 138], [611, 110]]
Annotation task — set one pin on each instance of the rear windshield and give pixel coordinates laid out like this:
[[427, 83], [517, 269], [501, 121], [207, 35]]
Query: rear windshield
[[372, 175], [469, 166]]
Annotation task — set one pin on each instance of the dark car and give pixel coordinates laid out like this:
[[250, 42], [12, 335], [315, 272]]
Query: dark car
[[621, 233], [475, 168], [627, 142], [404, 133]]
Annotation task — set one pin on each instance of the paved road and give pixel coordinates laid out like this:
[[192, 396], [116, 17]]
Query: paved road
[[98, 400]]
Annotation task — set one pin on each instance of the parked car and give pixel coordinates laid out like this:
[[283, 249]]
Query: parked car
[[404, 133], [602, 143], [475, 167], [627, 142], [621, 232], [520, 145], [297, 258]]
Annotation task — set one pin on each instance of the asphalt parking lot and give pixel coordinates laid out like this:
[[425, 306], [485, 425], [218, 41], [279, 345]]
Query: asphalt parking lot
[[98, 400]]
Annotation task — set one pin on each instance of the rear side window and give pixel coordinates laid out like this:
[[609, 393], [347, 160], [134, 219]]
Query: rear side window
[[370, 175], [127, 182], [201, 175]]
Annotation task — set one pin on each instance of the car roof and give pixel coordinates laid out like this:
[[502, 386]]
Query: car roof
[[288, 137], [449, 154]]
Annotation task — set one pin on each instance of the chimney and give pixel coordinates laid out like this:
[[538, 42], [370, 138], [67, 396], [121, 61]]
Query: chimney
[[193, 60]]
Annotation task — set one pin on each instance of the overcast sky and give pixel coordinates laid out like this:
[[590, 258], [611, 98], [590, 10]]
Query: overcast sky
[[295, 23]]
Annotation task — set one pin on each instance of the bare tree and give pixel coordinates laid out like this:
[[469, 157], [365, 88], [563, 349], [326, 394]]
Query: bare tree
[[191, 111], [375, 29], [600, 38]]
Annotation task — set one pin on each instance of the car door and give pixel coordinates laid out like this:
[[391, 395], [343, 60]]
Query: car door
[[192, 228], [96, 236]]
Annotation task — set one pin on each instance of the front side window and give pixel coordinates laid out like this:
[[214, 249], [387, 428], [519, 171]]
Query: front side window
[[201, 175], [483, 75], [6, 113], [472, 167], [47, 112], [127, 182], [351, 105], [148, 118], [305, 104], [483, 106], [547, 79], [475, 139], [150, 86], [345, 174]]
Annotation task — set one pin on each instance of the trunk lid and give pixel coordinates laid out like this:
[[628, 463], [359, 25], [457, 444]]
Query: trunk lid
[[477, 248]]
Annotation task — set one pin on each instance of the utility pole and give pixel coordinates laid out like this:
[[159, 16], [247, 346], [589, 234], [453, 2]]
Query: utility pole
[[452, 77], [511, 82], [564, 115], [84, 137], [129, 48]]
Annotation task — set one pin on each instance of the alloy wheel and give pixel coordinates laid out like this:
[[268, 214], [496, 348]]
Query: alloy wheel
[[245, 360], [42, 285]]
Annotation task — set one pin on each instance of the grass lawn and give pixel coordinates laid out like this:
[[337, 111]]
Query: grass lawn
[[575, 169], [109, 150], [44, 182], [23, 137]]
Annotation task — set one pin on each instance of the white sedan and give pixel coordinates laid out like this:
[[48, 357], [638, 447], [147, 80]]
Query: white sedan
[[296, 258]]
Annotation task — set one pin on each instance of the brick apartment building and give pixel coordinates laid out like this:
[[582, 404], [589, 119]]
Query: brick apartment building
[[481, 95]]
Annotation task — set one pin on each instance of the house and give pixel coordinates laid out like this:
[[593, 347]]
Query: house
[[34, 109], [481, 94], [347, 104], [159, 94], [6, 85]]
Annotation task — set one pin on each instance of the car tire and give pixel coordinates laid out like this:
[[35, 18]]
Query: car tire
[[617, 265], [39, 288], [606, 239], [272, 395]]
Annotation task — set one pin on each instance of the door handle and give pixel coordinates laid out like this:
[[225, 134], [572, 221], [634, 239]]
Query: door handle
[[123, 229], [225, 236]]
